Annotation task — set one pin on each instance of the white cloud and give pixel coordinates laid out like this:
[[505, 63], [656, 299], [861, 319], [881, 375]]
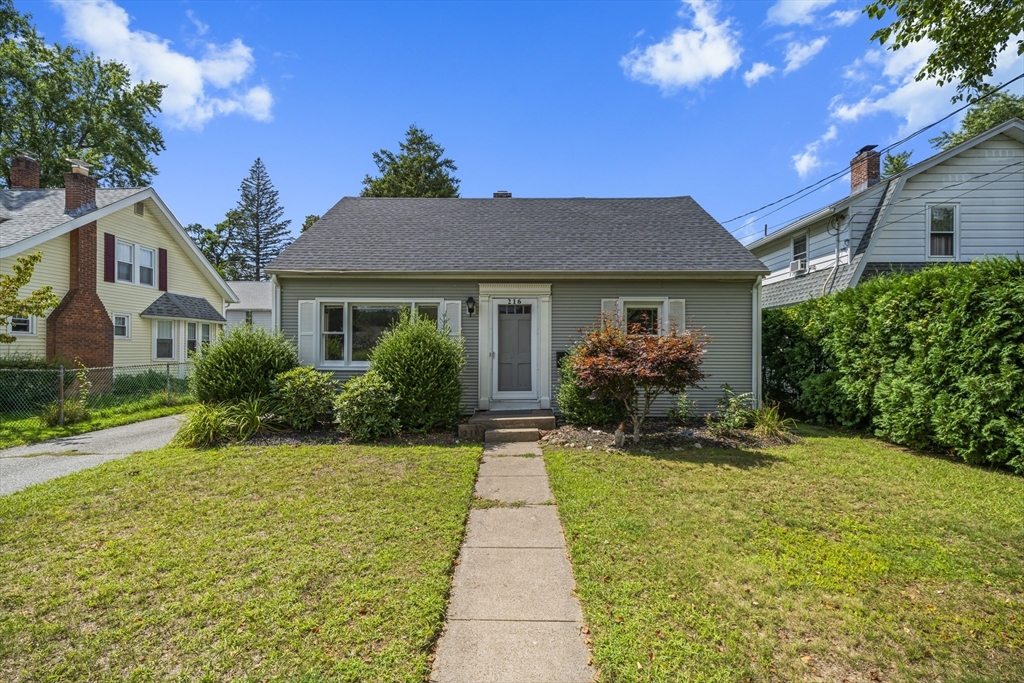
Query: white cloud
[[808, 160], [201, 28], [844, 17], [798, 54], [917, 103], [757, 72], [103, 27], [788, 12], [689, 56]]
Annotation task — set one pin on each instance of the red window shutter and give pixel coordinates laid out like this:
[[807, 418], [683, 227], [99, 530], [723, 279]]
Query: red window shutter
[[162, 268], [109, 247]]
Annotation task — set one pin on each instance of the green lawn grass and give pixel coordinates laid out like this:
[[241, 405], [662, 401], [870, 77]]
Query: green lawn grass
[[15, 432], [836, 559], [243, 563]]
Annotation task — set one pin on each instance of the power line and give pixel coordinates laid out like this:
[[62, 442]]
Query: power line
[[813, 187]]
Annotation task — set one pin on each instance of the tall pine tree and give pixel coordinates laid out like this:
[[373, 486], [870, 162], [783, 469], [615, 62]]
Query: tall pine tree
[[420, 169], [261, 233]]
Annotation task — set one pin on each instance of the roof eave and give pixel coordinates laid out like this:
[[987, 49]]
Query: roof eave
[[498, 274]]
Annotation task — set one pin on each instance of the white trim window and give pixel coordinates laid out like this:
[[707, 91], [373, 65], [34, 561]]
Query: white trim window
[[122, 326], [656, 315], [136, 264], [942, 231], [800, 248], [125, 261], [649, 316], [350, 329], [191, 338], [21, 326], [163, 339]]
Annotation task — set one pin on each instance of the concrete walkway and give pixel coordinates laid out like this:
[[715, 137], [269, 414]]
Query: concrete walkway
[[512, 615], [23, 466]]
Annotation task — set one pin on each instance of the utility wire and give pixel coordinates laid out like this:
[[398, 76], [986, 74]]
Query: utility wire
[[813, 187]]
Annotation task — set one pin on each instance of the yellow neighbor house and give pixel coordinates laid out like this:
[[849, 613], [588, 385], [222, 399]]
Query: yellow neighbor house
[[134, 288]]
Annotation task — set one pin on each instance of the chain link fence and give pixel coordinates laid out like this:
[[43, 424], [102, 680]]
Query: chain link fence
[[67, 394]]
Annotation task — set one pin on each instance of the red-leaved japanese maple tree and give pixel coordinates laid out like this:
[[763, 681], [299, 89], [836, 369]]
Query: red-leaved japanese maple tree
[[635, 367]]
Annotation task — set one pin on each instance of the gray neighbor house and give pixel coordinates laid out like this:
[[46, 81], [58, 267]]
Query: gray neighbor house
[[519, 279]]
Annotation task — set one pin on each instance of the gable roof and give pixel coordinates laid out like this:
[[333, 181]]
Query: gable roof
[[671, 235], [252, 296], [170, 305], [30, 217], [1013, 128]]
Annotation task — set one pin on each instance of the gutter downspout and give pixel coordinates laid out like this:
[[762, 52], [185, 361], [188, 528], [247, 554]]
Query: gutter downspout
[[755, 342]]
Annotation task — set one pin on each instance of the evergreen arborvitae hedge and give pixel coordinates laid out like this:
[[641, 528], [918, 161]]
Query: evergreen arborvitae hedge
[[932, 360]]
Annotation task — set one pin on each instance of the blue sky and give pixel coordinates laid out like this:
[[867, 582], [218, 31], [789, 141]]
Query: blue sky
[[733, 103]]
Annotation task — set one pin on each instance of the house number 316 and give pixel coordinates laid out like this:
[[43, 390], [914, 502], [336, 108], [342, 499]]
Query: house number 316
[[512, 302]]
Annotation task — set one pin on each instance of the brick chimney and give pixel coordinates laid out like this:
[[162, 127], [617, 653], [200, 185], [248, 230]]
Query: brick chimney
[[865, 169], [503, 194], [80, 327], [24, 172], [79, 189]]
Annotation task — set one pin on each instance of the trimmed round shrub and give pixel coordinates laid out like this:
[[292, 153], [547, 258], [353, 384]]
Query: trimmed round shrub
[[304, 398], [365, 408], [242, 364], [423, 365], [577, 407]]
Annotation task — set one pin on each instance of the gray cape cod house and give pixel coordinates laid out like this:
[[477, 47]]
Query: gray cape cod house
[[519, 279]]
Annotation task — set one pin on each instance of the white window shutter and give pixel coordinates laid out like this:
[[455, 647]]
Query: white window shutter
[[307, 332], [453, 316], [609, 307], [677, 314]]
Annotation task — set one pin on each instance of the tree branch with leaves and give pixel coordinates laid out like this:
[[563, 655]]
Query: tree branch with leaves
[[12, 305]]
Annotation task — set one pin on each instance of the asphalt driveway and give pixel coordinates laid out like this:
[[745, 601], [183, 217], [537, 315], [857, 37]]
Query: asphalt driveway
[[23, 466]]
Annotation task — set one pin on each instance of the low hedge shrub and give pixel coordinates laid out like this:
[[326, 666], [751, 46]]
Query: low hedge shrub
[[240, 365], [423, 366], [304, 398], [365, 409], [932, 360]]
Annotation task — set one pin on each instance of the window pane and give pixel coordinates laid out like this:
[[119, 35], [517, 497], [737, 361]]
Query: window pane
[[942, 244], [23, 325], [146, 275], [428, 311], [248, 317], [799, 248], [120, 326], [942, 219], [334, 346], [146, 258], [124, 271], [191, 331], [642, 320], [164, 348], [368, 322], [124, 252], [164, 329], [206, 333], [334, 318]]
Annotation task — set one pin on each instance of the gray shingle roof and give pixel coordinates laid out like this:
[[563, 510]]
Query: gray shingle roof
[[26, 213], [794, 290], [182, 306], [671, 234], [252, 296]]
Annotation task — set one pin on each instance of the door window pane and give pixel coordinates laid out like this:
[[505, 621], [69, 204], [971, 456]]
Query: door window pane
[[147, 266], [642, 319], [164, 339], [334, 333], [368, 322], [125, 262]]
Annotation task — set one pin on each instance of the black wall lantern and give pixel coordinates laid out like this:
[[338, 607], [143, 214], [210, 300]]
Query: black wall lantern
[[471, 306]]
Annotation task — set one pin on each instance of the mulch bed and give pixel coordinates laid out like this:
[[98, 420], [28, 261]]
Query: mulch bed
[[658, 435]]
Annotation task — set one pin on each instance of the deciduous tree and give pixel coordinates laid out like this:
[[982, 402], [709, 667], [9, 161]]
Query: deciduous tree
[[637, 368], [987, 113], [968, 36], [220, 245], [12, 305], [57, 102], [420, 169], [895, 163]]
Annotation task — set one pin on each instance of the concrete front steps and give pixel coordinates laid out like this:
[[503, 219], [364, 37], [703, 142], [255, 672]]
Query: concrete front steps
[[507, 427]]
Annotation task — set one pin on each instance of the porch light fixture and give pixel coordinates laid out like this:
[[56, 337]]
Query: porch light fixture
[[471, 306]]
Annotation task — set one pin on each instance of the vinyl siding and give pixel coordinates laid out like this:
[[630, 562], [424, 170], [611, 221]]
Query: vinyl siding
[[183, 277], [262, 319], [721, 308], [52, 270], [991, 220]]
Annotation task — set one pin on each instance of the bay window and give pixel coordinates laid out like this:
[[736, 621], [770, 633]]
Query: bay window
[[164, 340], [191, 341]]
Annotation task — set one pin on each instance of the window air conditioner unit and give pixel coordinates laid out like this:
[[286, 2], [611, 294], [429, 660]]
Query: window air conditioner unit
[[798, 266]]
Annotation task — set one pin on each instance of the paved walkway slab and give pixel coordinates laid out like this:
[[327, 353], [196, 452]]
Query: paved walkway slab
[[520, 448], [513, 616]]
